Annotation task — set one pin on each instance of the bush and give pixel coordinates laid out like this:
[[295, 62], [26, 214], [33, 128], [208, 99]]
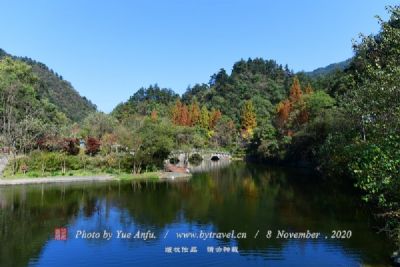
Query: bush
[[71, 146], [50, 143], [33, 174], [376, 168], [23, 167], [45, 161], [127, 162], [94, 163], [48, 162], [40, 163], [111, 161], [73, 163]]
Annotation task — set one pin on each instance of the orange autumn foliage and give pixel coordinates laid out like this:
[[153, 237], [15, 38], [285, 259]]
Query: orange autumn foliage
[[292, 111], [214, 118], [176, 112], [295, 91], [194, 114], [190, 115], [184, 116], [283, 111], [154, 115]]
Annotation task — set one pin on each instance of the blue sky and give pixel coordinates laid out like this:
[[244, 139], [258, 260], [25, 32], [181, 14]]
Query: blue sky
[[109, 49]]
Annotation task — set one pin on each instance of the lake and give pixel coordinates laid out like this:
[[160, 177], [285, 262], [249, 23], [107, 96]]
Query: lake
[[230, 216]]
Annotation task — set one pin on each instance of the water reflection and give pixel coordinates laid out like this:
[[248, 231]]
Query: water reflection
[[204, 165], [240, 197]]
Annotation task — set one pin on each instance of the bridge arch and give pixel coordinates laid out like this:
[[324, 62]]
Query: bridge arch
[[184, 156]]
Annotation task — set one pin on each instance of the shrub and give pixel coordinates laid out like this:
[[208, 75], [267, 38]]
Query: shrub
[[127, 162], [33, 174], [50, 143], [71, 146], [375, 165], [45, 161], [48, 162], [74, 163], [23, 167], [94, 163], [111, 161]]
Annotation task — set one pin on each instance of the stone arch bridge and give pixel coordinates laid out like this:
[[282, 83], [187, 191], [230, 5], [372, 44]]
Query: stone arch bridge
[[184, 156]]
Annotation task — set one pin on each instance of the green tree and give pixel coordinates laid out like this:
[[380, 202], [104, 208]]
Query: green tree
[[157, 143], [317, 102], [264, 144], [97, 124], [224, 133], [24, 116], [369, 148]]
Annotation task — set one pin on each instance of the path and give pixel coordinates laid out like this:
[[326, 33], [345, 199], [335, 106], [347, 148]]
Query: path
[[61, 179], [174, 175], [74, 179]]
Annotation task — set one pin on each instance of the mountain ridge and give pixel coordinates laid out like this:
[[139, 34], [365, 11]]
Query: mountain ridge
[[321, 71], [57, 90]]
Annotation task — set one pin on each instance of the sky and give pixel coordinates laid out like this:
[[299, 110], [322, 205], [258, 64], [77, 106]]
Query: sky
[[109, 49]]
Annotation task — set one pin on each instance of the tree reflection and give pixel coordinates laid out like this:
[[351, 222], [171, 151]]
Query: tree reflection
[[241, 197]]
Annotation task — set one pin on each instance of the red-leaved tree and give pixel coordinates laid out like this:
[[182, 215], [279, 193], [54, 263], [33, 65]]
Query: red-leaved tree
[[92, 146], [71, 146]]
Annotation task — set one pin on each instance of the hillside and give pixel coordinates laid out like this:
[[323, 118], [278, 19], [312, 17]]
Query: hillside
[[263, 81], [58, 91], [328, 69], [145, 100]]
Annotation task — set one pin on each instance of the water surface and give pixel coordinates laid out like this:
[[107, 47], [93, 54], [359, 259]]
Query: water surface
[[243, 198]]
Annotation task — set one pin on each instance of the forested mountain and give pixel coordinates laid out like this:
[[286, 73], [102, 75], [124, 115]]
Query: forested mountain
[[145, 100], [329, 69], [58, 91], [263, 81]]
